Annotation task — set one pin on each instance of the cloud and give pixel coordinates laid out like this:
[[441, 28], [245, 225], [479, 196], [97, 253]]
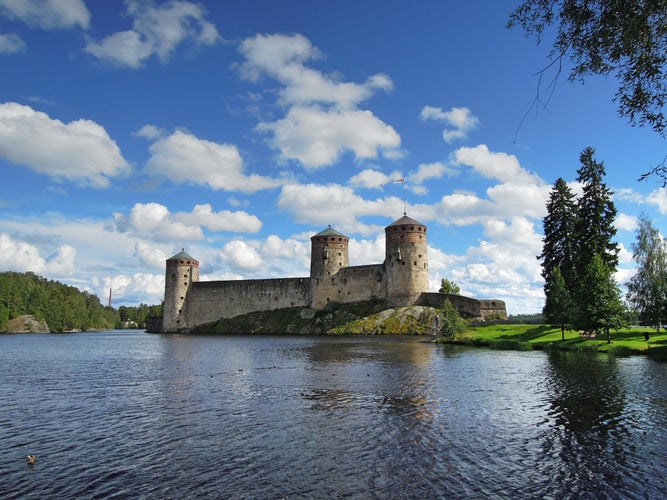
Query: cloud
[[625, 222], [79, 151], [372, 179], [184, 158], [317, 138], [499, 166], [149, 255], [460, 121], [11, 43], [282, 57], [47, 14], [149, 132], [658, 198], [240, 254], [132, 289], [334, 204], [21, 256], [155, 31], [224, 220], [154, 221], [323, 119]]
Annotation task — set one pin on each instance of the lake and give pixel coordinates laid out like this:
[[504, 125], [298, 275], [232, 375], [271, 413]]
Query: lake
[[125, 414]]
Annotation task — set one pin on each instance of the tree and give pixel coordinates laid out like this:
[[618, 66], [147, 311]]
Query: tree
[[449, 287], [624, 38], [451, 323], [601, 308], [559, 307], [647, 289], [558, 250], [594, 229]]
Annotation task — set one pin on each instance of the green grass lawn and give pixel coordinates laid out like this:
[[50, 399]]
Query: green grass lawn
[[543, 337]]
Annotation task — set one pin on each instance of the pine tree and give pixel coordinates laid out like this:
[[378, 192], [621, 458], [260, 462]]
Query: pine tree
[[559, 246], [647, 289]]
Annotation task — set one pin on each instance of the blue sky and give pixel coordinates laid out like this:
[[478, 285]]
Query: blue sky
[[237, 130]]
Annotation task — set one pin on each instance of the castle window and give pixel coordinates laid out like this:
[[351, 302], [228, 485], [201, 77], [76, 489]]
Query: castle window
[[415, 263], [185, 282], [412, 228], [185, 275], [403, 262], [180, 311]]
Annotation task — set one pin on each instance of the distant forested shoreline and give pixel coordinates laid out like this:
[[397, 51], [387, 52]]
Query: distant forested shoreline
[[63, 307]]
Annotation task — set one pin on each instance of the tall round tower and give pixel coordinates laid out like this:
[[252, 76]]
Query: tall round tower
[[406, 261], [181, 271], [328, 255]]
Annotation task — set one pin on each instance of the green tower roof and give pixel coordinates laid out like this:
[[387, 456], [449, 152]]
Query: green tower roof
[[330, 232], [182, 255]]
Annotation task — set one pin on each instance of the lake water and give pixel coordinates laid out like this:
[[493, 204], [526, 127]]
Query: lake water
[[126, 414]]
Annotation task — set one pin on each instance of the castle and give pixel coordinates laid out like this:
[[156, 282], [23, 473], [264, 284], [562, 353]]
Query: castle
[[401, 280]]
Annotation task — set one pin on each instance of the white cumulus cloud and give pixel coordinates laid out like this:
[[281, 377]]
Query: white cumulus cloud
[[459, 121], [10, 43], [47, 14], [323, 118], [79, 151], [184, 158], [156, 30]]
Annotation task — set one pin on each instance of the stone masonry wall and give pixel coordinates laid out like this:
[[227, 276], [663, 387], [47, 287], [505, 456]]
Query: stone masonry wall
[[352, 284], [211, 300]]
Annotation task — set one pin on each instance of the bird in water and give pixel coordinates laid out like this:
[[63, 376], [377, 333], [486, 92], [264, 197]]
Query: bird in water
[[31, 459]]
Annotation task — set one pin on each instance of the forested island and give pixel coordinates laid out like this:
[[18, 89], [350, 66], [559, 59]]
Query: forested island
[[29, 302]]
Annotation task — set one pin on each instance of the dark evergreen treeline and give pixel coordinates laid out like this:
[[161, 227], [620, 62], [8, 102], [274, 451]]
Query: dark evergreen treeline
[[64, 307]]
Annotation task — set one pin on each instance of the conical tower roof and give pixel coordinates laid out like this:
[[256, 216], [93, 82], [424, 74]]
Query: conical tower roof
[[182, 255], [329, 232], [405, 221]]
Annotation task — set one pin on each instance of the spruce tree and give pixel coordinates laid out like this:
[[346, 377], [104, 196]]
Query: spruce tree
[[647, 289], [558, 248], [604, 310], [595, 215], [559, 307]]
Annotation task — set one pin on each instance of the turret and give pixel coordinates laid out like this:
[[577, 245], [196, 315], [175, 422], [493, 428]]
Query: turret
[[181, 271], [406, 261], [328, 255]]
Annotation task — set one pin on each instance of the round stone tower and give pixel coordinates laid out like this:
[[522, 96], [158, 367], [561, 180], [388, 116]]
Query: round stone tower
[[328, 255], [406, 261], [181, 271]]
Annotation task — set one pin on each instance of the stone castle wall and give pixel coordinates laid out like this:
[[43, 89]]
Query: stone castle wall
[[351, 284], [209, 301]]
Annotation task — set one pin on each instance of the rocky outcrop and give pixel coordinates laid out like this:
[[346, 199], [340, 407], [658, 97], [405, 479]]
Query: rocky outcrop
[[26, 324], [364, 318]]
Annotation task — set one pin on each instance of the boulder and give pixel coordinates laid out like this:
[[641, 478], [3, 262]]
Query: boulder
[[27, 324]]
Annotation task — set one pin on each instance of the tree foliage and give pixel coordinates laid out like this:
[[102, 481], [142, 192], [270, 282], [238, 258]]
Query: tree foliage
[[623, 38], [451, 323], [579, 256], [559, 306], [596, 212], [63, 307], [449, 287], [559, 245], [604, 310], [647, 289]]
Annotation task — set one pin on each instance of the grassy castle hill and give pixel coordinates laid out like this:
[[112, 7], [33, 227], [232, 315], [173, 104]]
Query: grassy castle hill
[[526, 337], [376, 318]]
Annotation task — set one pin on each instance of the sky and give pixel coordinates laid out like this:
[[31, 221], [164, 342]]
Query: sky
[[130, 130]]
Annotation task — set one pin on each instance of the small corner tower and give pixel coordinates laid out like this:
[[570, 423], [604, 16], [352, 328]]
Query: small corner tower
[[328, 255], [406, 261], [181, 271]]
